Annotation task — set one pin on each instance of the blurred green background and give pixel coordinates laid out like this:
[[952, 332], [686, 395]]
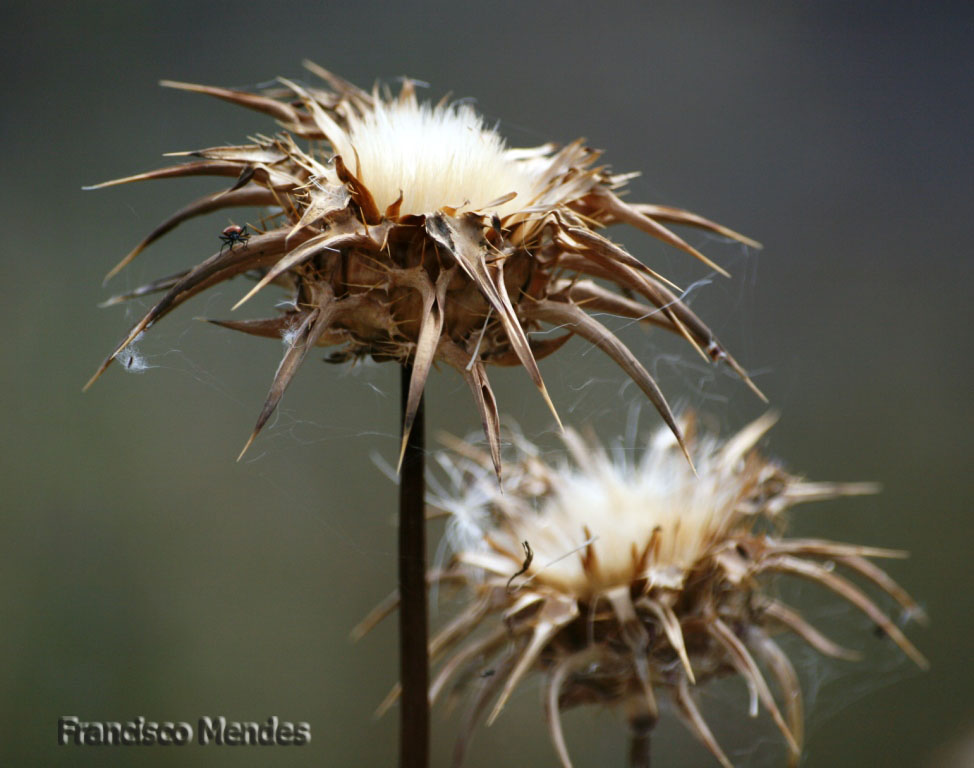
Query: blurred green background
[[144, 572]]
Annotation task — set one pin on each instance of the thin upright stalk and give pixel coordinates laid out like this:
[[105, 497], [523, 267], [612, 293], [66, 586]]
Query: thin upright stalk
[[641, 722], [413, 655], [639, 744]]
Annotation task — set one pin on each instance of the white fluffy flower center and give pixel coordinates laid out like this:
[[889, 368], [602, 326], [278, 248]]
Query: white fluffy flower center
[[593, 531], [436, 156], [615, 511]]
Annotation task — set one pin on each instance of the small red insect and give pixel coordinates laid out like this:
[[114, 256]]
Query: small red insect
[[234, 234]]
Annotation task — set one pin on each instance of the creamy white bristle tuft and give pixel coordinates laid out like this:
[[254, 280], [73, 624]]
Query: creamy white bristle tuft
[[609, 505], [435, 156]]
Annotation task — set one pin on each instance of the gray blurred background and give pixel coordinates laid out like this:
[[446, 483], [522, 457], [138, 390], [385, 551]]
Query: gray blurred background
[[144, 572]]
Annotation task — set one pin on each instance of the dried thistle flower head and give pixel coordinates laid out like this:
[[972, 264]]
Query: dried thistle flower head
[[411, 232], [617, 577]]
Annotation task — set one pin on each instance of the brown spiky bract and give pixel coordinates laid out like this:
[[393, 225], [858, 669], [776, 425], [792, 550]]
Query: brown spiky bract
[[380, 232], [618, 579]]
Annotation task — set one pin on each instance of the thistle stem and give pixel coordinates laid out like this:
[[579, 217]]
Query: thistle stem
[[640, 729], [413, 654], [639, 744]]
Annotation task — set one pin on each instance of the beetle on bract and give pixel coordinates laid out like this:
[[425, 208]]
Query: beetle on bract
[[234, 234]]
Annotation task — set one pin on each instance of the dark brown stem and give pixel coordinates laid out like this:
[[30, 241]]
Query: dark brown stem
[[640, 729], [639, 750], [413, 656]]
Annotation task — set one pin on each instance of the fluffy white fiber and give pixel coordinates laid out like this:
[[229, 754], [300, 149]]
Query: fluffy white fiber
[[436, 156], [608, 505], [619, 506]]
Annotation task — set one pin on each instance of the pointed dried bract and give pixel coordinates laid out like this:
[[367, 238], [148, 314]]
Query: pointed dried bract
[[410, 232], [619, 579]]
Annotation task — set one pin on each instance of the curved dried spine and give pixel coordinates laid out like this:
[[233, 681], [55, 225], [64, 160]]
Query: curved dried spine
[[508, 234], [573, 318], [243, 198], [748, 669], [258, 251], [174, 171], [155, 286], [302, 340], [552, 690], [777, 661], [881, 579], [478, 703], [470, 651], [816, 572], [554, 615], [630, 215], [794, 621], [695, 721]]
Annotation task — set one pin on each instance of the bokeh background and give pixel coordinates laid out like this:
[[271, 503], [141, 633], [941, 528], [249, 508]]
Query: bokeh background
[[144, 572]]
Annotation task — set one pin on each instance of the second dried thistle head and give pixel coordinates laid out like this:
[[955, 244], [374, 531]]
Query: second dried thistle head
[[619, 578]]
